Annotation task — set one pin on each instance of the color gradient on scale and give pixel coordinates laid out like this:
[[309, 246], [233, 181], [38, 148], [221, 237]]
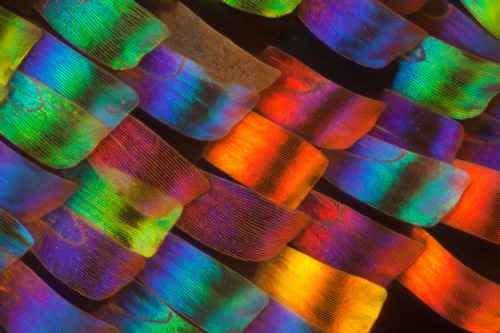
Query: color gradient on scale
[[331, 299], [416, 128], [105, 208], [17, 37], [322, 112], [136, 309], [47, 126], [364, 31], [446, 79], [79, 80], [83, 258], [348, 241], [27, 191], [408, 186], [114, 32], [179, 93], [15, 240], [268, 159], [487, 12], [200, 288], [29, 305], [267, 8], [453, 290]]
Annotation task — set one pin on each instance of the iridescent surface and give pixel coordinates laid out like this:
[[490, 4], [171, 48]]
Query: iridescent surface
[[27, 191], [179, 93], [117, 33], [238, 222], [449, 24], [346, 240], [414, 127], [29, 305], [105, 208], [136, 309], [304, 102], [268, 159], [151, 174], [201, 289], [487, 12], [451, 81], [408, 186], [81, 257], [268, 8], [47, 126], [15, 240], [364, 31], [276, 318], [79, 80], [333, 300], [453, 290], [17, 37], [478, 213]]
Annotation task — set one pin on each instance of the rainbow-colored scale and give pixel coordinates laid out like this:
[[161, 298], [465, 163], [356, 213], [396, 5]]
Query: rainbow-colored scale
[[83, 258], [346, 240], [364, 31], [328, 298], [15, 240], [201, 289], [27, 191], [446, 79], [115, 32], [408, 186], [179, 93], [17, 37], [304, 102], [487, 12], [103, 206], [449, 24], [267, 8], [78, 79], [29, 305], [47, 126], [136, 309]]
